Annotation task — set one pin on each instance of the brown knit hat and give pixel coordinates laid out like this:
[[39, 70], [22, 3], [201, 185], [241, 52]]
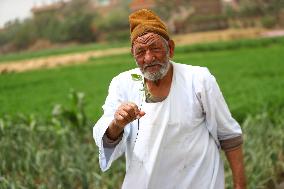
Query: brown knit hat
[[144, 21]]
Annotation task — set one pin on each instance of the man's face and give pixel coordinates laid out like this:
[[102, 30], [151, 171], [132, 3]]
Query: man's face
[[151, 53]]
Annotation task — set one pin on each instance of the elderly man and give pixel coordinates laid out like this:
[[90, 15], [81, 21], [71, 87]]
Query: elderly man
[[169, 119]]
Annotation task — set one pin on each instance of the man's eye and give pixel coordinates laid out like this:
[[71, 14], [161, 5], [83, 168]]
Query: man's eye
[[156, 49], [140, 52]]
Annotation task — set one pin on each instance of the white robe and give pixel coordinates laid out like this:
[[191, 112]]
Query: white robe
[[177, 145]]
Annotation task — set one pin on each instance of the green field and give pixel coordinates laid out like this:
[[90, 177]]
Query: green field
[[55, 153], [250, 78], [25, 55]]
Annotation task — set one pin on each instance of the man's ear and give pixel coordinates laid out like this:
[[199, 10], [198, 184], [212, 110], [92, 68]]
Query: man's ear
[[171, 47]]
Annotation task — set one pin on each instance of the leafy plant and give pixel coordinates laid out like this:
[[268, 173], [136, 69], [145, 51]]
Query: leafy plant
[[74, 116], [264, 149], [38, 153]]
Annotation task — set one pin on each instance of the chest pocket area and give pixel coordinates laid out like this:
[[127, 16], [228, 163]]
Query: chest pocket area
[[186, 111]]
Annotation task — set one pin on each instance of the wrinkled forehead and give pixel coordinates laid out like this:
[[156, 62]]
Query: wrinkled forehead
[[147, 39]]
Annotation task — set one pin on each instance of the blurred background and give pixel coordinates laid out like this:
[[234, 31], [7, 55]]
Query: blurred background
[[38, 24], [58, 57]]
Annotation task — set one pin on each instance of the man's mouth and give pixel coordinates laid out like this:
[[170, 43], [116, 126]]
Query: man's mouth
[[152, 66]]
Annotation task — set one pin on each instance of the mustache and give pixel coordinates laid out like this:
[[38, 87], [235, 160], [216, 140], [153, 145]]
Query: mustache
[[153, 64]]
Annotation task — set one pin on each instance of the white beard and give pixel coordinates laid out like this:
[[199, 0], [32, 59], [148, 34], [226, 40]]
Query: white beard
[[165, 66], [154, 76]]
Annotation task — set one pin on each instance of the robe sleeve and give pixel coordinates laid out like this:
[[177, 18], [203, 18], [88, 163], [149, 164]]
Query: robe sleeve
[[219, 121], [109, 154]]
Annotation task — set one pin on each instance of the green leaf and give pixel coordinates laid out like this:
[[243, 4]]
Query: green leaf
[[136, 77]]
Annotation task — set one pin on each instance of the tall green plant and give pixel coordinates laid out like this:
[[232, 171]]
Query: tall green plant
[[38, 153], [73, 116], [263, 149]]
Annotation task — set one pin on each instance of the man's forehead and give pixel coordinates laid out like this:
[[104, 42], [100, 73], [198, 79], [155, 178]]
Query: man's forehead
[[147, 39]]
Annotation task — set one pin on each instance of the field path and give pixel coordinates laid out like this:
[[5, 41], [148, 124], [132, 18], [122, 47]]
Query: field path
[[82, 57], [54, 61]]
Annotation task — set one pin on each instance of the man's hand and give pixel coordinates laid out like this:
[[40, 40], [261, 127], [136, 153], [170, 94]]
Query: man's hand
[[125, 113]]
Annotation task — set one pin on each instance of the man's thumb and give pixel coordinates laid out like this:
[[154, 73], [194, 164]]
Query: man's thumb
[[141, 114]]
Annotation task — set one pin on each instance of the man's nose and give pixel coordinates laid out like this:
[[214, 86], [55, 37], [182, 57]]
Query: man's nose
[[149, 57]]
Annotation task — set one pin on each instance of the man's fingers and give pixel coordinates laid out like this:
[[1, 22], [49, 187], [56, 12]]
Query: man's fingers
[[129, 110], [140, 114], [127, 113], [130, 106], [119, 118], [134, 107], [126, 116]]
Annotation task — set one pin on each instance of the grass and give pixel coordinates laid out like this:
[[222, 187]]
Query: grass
[[264, 150], [60, 152], [38, 91], [250, 79], [231, 45], [55, 153], [26, 55]]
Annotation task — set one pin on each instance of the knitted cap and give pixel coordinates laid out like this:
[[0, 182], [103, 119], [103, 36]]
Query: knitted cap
[[144, 21]]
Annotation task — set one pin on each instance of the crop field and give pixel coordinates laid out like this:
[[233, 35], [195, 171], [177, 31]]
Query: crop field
[[46, 123], [250, 78], [59, 51]]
